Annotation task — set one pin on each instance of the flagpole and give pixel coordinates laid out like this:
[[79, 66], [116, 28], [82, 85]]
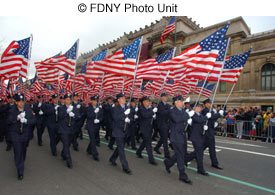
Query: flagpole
[[229, 95], [137, 61], [202, 87], [215, 92], [75, 62]]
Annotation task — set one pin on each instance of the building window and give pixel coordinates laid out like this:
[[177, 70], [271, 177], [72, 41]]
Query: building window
[[222, 87], [268, 77]]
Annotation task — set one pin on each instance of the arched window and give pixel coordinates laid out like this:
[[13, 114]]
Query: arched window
[[268, 77]]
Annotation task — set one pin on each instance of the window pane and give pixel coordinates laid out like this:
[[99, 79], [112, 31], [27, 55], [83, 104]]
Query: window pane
[[273, 82], [263, 83], [268, 82]]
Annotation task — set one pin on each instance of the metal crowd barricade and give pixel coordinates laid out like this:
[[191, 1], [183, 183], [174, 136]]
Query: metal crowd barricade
[[271, 133]]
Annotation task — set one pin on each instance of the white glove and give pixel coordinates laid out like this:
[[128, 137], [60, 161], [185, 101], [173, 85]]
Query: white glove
[[41, 112], [69, 109], [96, 110], [23, 120], [127, 111], [154, 116], [189, 121], [96, 121], [78, 106], [136, 116], [100, 106], [214, 110], [18, 117], [221, 112], [56, 107], [215, 124], [155, 110], [191, 113], [39, 104], [136, 109], [113, 105], [23, 114], [208, 115], [71, 114], [127, 120], [205, 127], [56, 113], [187, 110]]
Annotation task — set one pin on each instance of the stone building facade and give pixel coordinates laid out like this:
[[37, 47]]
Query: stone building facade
[[256, 86]]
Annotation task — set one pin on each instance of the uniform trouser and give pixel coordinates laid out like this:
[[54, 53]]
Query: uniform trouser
[[77, 129], [163, 141], [2, 131], [178, 157], [108, 130], [20, 150], [66, 141], [111, 142], [131, 135], [97, 137], [210, 143], [40, 130], [147, 142], [197, 154], [52, 134], [92, 145], [119, 152]]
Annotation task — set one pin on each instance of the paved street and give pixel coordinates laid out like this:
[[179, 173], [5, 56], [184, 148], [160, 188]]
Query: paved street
[[249, 169]]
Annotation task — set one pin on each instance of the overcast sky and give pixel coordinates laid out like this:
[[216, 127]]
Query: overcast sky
[[52, 35]]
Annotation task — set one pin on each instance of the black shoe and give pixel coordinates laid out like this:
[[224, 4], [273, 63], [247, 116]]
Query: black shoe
[[167, 168], [96, 158], [8, 148], [98, 144], [203, 173], [89, 152], [128, 171], [186, 180], [69, 164], [76, 148], [106, 138], [153, 163], [110, 147], [139, 155], [171, 146], [113, 163], [217, 167], [1, 139], [54, 153], [157, 150], [40, 144], [20, 177]]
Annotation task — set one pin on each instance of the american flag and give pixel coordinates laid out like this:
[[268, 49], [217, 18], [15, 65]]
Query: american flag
[[217, 67], [15, 59], [201, 56], [91, 72], [233, 67], [169, 28], [122, 62], [206, 89], [150, 70], [45, 73], [65, 62]]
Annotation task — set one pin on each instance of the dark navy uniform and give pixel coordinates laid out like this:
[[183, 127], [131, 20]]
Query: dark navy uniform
[[197, 139], [51, 113], [210, 135], [78, 124], [107, 114], [93, 127], [119, 133], [19, 134], [146, 129], [40, 120], [163, 126], [65, 128], [4, 109], [178, 122], [133, 127]]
